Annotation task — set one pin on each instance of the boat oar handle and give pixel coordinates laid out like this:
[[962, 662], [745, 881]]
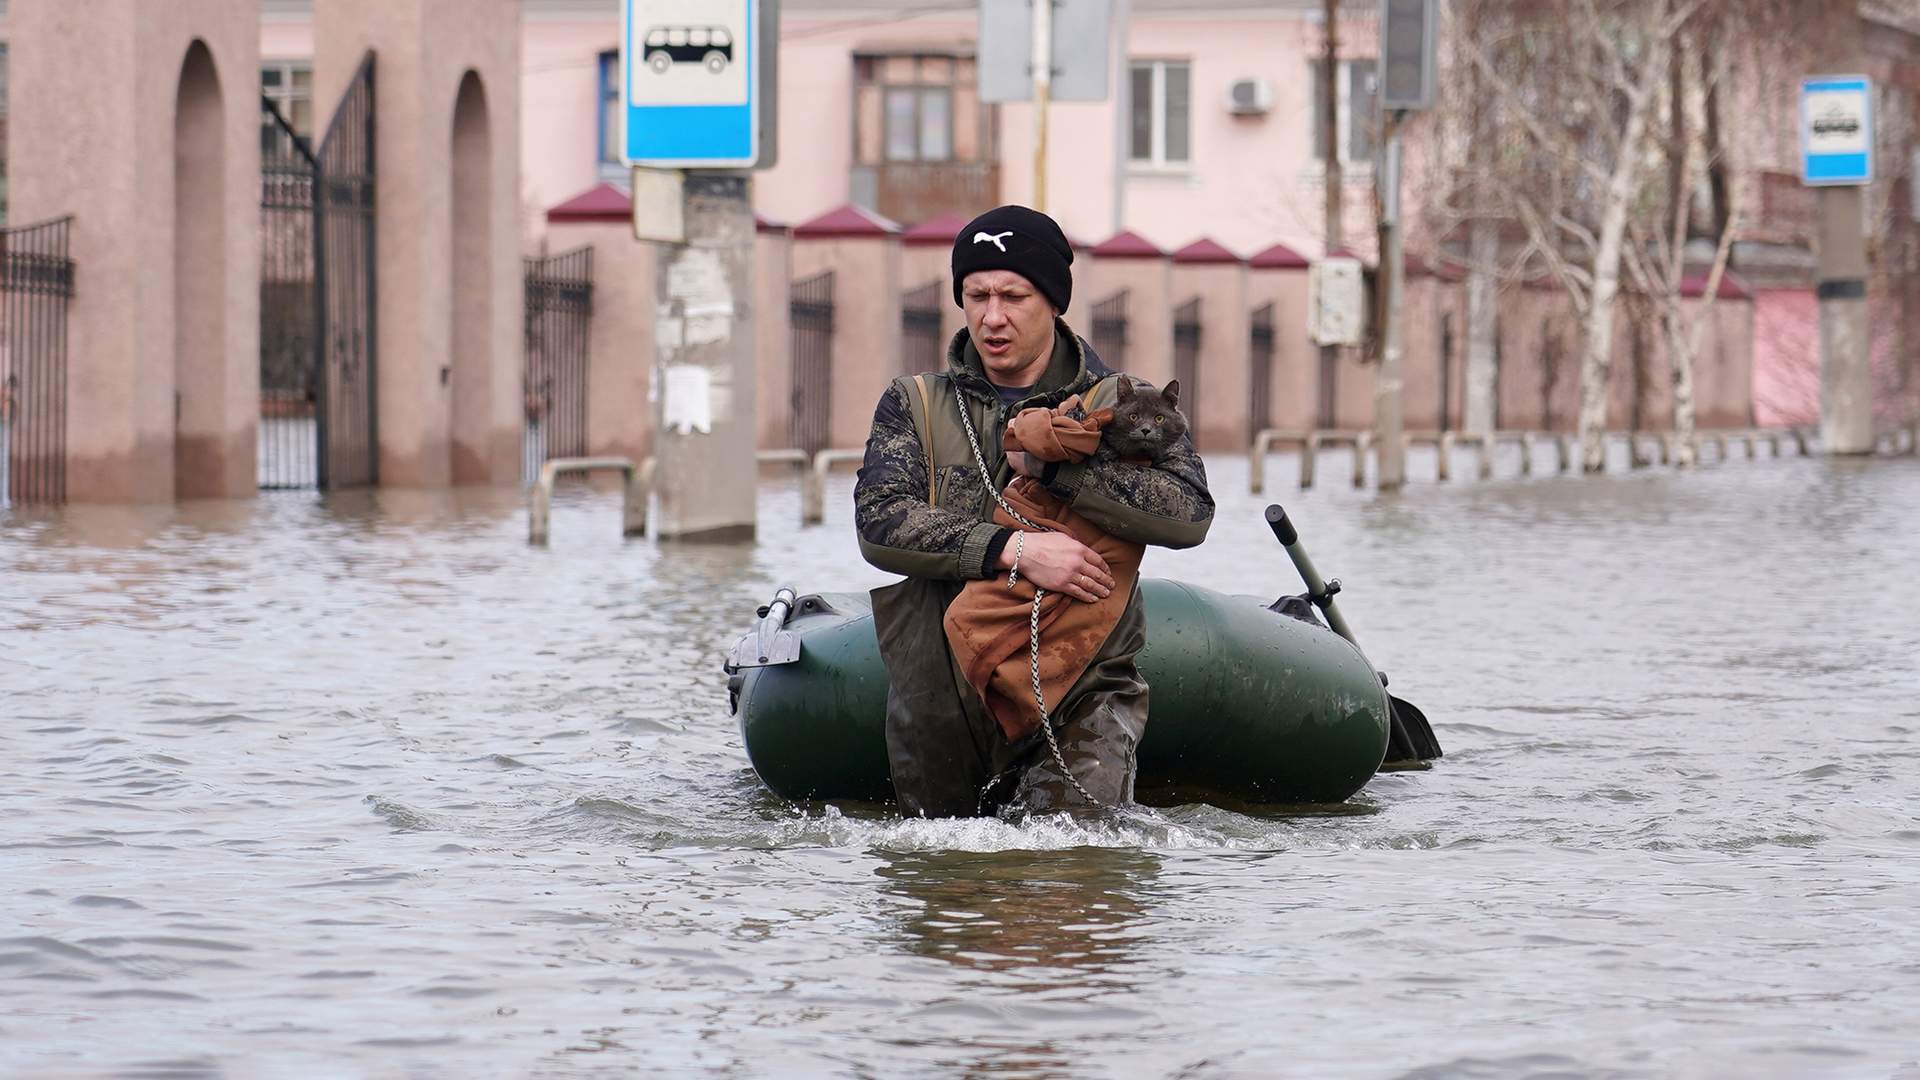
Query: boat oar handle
[[1317, 588]]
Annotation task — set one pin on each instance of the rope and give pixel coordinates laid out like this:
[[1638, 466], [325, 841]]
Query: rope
[[1033, 620]]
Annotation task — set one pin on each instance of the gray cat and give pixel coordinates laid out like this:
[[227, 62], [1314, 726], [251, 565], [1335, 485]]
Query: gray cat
[[1146, 422]]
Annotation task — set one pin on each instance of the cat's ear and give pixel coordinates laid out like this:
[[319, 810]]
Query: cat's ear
[[1172, 393], [1123, 390]]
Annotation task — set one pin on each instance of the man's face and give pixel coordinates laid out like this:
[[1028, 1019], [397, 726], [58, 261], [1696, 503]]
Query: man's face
[[1010, 323]]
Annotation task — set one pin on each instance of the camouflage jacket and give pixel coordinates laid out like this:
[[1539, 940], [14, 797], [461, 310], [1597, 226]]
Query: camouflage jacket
[[918, 524]]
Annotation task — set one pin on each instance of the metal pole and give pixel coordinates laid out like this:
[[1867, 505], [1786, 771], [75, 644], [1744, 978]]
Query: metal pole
[[1042, 92], [1388, 405], [1122, 110], [1333, 191]]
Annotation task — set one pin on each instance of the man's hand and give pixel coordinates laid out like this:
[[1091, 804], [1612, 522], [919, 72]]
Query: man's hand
[[1058, 563]]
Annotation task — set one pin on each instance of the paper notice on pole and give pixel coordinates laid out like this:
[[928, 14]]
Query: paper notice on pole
[[688, 408]]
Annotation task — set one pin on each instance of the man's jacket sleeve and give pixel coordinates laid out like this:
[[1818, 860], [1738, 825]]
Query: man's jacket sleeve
[[899, 531], [1165, 504]]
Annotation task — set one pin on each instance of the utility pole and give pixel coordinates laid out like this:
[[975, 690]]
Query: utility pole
[[1388, 400], [1042, 91], [1329, 121]]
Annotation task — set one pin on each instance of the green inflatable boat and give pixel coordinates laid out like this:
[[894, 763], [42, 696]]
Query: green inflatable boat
[[1247, 704]]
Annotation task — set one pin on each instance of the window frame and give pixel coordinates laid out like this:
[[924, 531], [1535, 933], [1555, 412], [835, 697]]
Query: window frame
[[1343, 115], [606, 101], [919, 87], [1157, 162]]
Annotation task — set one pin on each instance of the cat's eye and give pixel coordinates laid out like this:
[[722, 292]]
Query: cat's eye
[[1158, 420]]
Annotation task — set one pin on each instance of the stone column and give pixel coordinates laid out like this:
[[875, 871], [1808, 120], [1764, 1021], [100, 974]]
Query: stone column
[[863, 251], [1278, 275], [1218, 405], [142, 121], [447, 155]]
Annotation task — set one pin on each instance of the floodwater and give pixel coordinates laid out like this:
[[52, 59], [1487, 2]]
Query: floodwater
[[368, 787]]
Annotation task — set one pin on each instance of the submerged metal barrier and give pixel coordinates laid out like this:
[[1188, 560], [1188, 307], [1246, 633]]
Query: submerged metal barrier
[[633, 513]]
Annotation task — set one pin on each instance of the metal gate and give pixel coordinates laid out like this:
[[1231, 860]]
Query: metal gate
[[1110, 330], [1186, 361], [558, 315], [36, 283], [1260, 374], [289, 392], [344, 287], [811, 310], [920, 329]]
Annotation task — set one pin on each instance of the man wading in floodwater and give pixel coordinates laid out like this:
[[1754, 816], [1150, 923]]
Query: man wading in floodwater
[[924, 510]]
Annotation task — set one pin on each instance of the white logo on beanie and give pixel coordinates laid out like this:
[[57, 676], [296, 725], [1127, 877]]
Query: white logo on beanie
[[993, 238]]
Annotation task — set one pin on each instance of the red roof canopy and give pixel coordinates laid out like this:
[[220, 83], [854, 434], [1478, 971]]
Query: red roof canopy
[[1731, 287], [601, 202], [848, 220], [1204, 250], [1278, 257], [1127, 245], [938, 229], [763, 223]]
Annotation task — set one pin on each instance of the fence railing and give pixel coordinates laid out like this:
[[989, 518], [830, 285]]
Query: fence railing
[[810, 309], [557, 312], [920, 329], [1259, 370], [1110, 330], [36, 285], [1186, 360]]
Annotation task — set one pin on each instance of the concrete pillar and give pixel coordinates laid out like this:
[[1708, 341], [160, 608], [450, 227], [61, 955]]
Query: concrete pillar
[[1129, 261], [1278, 275], [773, 333], [863, 250], [706, 483], [1218, 405], [142, 120], [447, 151], [620, 346]]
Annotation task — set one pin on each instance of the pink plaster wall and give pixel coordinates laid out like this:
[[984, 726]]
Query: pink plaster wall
[[866, 324], [1149, 285], [1218, 406], [773, 337], [559, 85], [427, 46], [1295, 371], [93, 93]]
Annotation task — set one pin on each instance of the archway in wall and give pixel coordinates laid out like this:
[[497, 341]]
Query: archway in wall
[[471, 337], [199, 279]]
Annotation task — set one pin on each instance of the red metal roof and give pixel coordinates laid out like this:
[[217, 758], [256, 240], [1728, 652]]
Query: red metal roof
[[1204, 250], [1278, 257], [763, 223], [1731, 287], [848, 220], [601, 202], [1127, 245], [938, 229]]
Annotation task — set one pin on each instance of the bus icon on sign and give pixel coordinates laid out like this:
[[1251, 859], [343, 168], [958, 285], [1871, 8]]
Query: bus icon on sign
[[709, 46]]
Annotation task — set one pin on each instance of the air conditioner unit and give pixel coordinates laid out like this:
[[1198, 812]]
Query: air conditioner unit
[[1249, 97]]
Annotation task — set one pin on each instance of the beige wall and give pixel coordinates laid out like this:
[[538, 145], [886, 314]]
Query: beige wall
[[94, 89], [1296, 360], [921, 263], [1218, 406], [773, 337], [866, 324], [426, 47], [1150, 302]]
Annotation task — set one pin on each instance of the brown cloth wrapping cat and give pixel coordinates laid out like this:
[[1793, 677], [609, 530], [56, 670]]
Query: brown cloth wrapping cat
[[988, 624]]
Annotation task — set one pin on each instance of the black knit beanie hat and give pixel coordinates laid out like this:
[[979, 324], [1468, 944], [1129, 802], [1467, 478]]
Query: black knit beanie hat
[[1019, 239]]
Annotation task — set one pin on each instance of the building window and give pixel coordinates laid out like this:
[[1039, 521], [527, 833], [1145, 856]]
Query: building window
[[608, 108], [289, 85], [917, 108], [1357, 111], [1162, 113]]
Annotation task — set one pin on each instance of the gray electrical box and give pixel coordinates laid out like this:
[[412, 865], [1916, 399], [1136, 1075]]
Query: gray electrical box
[[1082, 32], [1409, 38]]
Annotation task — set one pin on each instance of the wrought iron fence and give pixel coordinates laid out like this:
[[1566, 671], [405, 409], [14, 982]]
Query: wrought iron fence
[[920, 329], [557, 319], [1110, 330], [1260, 373], [811, 309], [1186, 361], [36, 284], [289, 331], [344, 288]]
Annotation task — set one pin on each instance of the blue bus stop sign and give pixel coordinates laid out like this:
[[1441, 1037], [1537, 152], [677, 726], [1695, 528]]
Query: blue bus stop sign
[[1836, 130], [691, 83]]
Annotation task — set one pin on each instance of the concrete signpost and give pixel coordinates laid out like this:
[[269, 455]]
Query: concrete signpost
[[698, 80], [1409, 31], [1836, 155]]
